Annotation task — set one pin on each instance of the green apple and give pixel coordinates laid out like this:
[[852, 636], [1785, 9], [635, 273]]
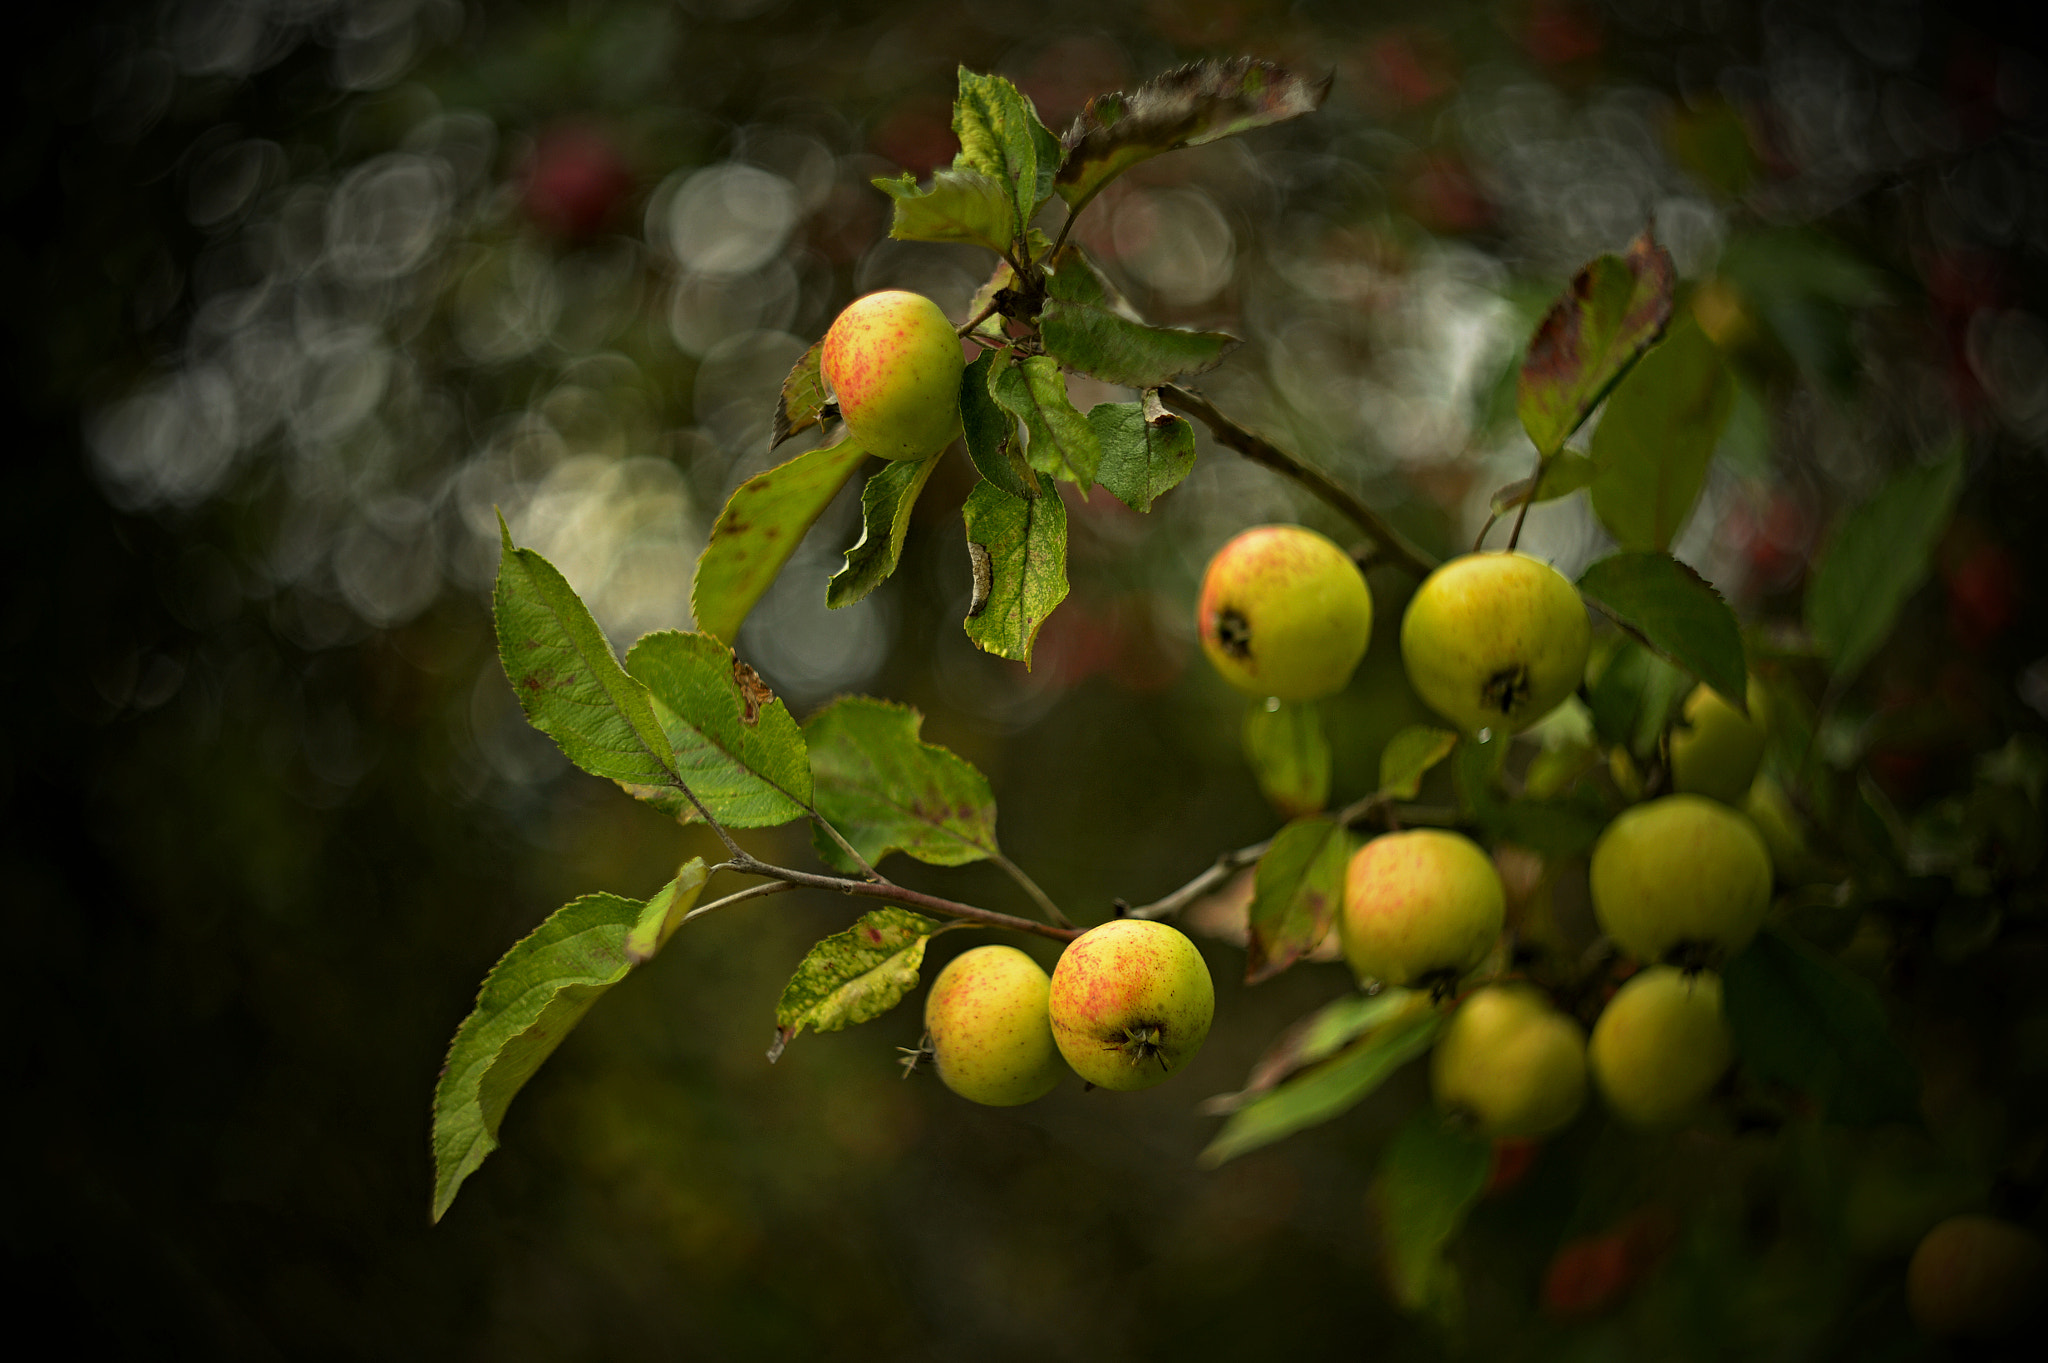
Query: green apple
[[1660, 1045], [1510, 1064], [1770, 809], [1131, 1003], [1423, 906], [1284, 612], [1495, 640], [1715, 748], [894, 363], [991, 1035], [1976, 1277], [1682, 877]]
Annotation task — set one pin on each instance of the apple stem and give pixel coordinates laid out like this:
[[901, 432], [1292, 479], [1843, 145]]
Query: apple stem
[[1391, 544]]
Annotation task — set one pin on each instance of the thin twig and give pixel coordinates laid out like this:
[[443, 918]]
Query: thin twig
[[1228, 864], [751, 892], [1535, 486], [1030, 887], [1393, 545], [977, 320], [896, 894], [1066, 227]]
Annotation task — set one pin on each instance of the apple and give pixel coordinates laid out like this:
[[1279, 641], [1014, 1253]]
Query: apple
[[1284, 612], [1495, 640], [991, 1036], [1681, 877], [1420, 907], [893, 362], [1510, 1064], [1660, 1045], [1716, 749], [1976, 1277], [1131, 1002]]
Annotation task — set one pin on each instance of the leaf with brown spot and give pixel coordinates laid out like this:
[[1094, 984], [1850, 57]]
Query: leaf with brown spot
[[1186, 107], [1613, 310], [853, 976], [887, 790]]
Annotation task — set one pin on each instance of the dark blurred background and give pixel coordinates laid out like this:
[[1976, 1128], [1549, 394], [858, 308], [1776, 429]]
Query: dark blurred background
[[299, 291]]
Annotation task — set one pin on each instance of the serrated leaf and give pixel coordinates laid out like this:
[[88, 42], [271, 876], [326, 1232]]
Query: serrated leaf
[[1409, 755], [1314, 1038], [761, 526], [885, 505], [996, 126], [1657, 437], [1427, 1183], [1083, 328], [887, 790], [1025, 540], [1674, 611], [738, 753], [531, 1000], [569, 685], [1875, 560], [958, 206], [1146, 450], [1563, 475], [1612, 311], [1061, 442], [854, 976], [1298, 891], [1289, 755], [1197, 103], [1330, 1088], [1801, 1019], [803, 399]]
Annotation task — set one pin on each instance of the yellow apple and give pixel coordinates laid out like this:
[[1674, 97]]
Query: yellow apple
[[894, 363], [1660, 1045], [1509, 1063], [1131, 1003], [991, 1035], [1422, 906], [1284, 612], [1495, 641]]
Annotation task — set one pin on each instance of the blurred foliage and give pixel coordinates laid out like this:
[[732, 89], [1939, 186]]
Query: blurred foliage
[[302, 291]]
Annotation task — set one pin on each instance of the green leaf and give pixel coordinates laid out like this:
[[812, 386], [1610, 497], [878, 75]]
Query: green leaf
[[1428, 1181], [1197, 103], [1801, 1019], [1657, 437], [1314, 1038], [1876, 559], [1297, 894], [1563, 475], [739, 753], [885, 505], [1284, 743], [887, 790], [1613, 310], [759, 529], [802, 403], [531, 1000], [570, 686], [991, 432], [959, 206], [1146, 450], [1562, 827], [1634, 698], [1084, 328], [1062, 443], [1026, 543], [1334, 1086], [995, 124], [853, 976], [1409, 755], [1673, 610]]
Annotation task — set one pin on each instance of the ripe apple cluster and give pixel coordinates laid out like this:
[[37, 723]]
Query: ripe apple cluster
[[1127, 1006]]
